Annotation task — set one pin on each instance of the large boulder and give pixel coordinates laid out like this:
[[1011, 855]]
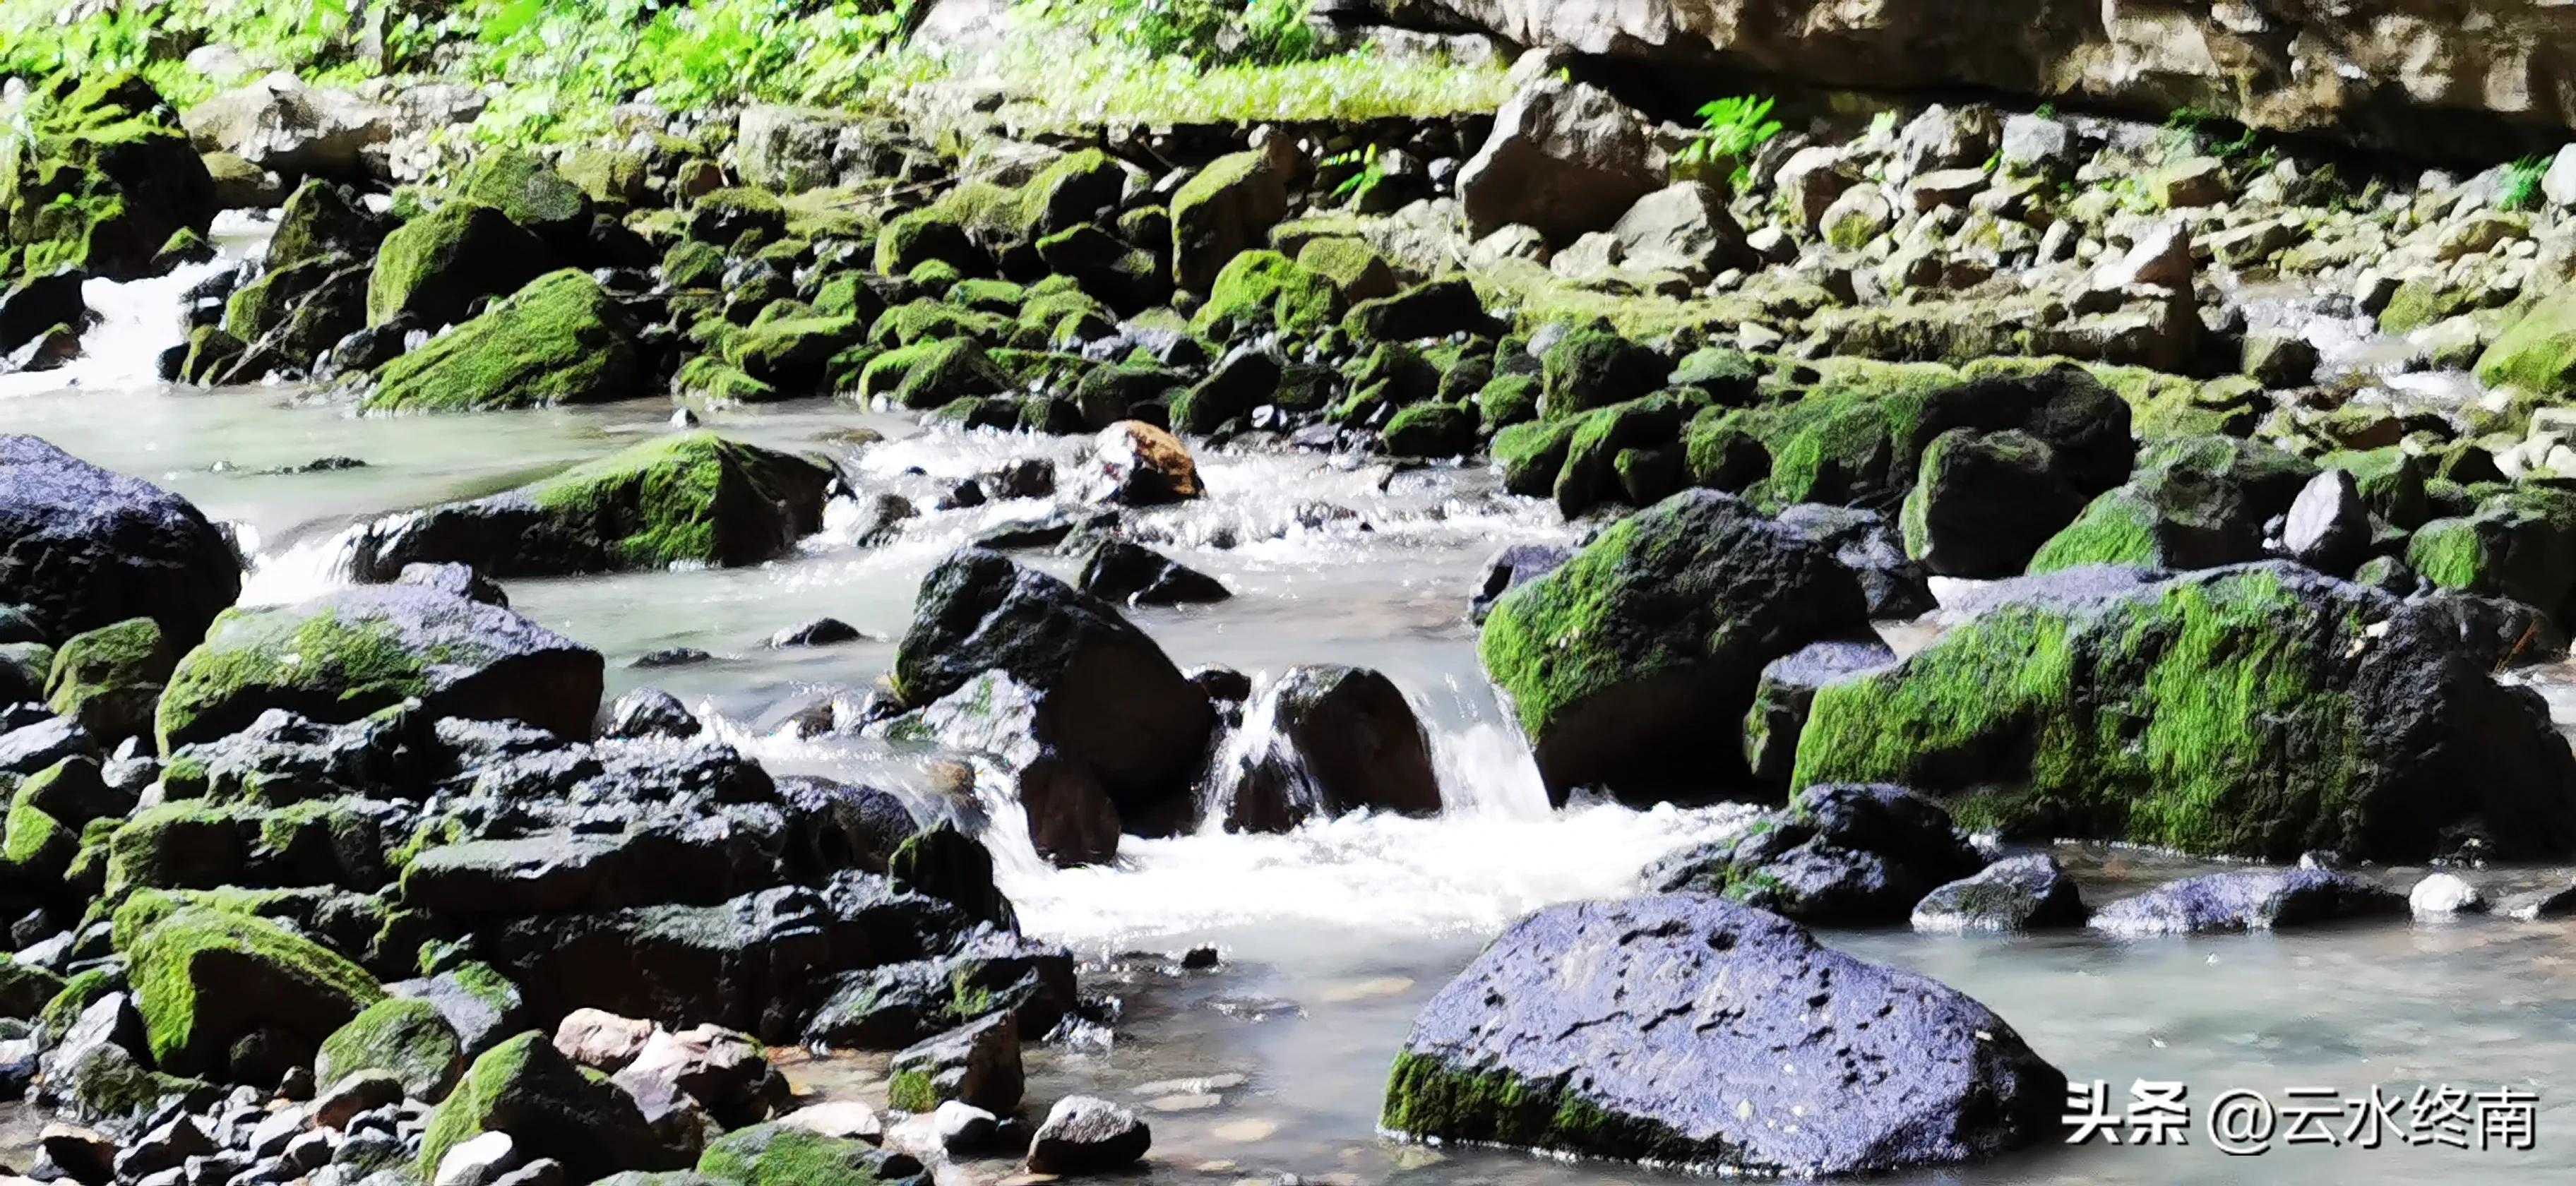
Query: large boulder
[[2196, 502], [1226, 209], [1102, 694], [321, 219], [2260, 711], [96, 177], [1659, 1029], [2537, 352], [560, 340], [528, 1089], [1565, 158], [1326, 740], [694, 498], [1984, 502], [206, 978], [281, 125], [83, 548], [436, 266], [2253, 900], [1618, 662], [110, 678], [349, 653]]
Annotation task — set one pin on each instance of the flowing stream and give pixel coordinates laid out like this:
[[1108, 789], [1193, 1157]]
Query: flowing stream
[[1332, 937]]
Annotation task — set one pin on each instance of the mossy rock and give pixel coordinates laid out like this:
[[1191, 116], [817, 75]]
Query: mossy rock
[[777, 1155], [323, 218], [2254, 712], [1985, 501], [551, 1108], [932, 374], [109, 678], [1858, 434], [405, 1036], [26, 989], [1109, 394], [1264, 290], [930, 321], [1431, 430], [685, 498], [1225, 209], [610, 176], [204, 979], [264, 304], [725, 217], [2537, 353], [1434, 310], [691, 264], [791, 353], [184, 844], [560, 340], [211, 352], [1615, 663], [1506, 400], [1591, 475], [436, 266], [1354, 268], [353, 652], [2520, 543], [2195, 503], [96, 176], [529, 192], [1594, 368]]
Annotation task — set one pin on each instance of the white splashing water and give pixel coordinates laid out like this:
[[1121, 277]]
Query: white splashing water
[[138, 319], [305, 569]]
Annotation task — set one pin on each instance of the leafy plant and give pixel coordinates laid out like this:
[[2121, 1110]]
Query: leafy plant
[[1355, 189], [2520, 189], [1730, 131], [1211, 32]]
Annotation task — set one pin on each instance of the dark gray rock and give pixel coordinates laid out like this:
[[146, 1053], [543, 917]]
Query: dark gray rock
[[1984, 502], [1132, 573], [1841, 855], [821, 632], [82, 548], [977, 1063], [1514, 566], [1658, 1028], [1087, 1135], [1781, 700], [2023, 893], [455, 579], [1326, 740], [650, 712], [1892, 583], [2259, 900]]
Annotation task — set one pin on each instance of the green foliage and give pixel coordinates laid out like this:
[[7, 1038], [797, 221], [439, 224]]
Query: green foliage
[[1356, 188], [2520, 189], [1731, 130], [1210, 32]]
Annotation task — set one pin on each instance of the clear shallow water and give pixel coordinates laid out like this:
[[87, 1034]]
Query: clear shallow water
[[1336, 935]]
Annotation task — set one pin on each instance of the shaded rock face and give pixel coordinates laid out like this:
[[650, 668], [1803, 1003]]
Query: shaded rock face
[[2436, 80], [1327, 739], [1108, 698], [2262, 900], [1564, 158], [1841, 855], [1544, 1042], [86, 548], [2259, 711]]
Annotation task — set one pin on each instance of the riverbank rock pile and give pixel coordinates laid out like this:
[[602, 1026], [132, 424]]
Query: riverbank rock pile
[[302, 889]]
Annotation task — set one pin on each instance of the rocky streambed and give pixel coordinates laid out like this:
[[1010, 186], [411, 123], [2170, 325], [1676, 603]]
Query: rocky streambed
[[1332, 653]]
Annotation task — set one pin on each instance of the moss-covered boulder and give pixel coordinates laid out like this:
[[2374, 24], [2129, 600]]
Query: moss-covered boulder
[[781, 1155], [324, 218], [1617, 663], [1857, 435], [933, 374], [26, 989], [96, 175], [791, 354], [1430, 430], [529, 192], [2195, 503], [109, 678], [437, 265], [2519, 543], [1626, 453], [560, 340], [1226, 209], [1594, 368], [688, 498], [550, 1108], [2537, 353], [264, 304], [404, 1036], [2257, 712], [1264, 290], [205, 979], [349, 653], [1434, 310], [725, 217], [1353, 267]]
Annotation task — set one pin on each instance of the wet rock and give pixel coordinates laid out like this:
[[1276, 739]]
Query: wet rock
[[1985, 502], [560, 340], [1145, 465], [977, 1064], [821, 632], [1564, 158], [2440, 894], [365, 649], [1840, 855], [672, 657], [2196, 502], [456, 580], [1102, 696], [1326, 740], [1893, 584], [1118, 570], [2539, 904], [1512, 567], [2429, 743], [650, 712], [205, 979], [82, 548], [1616, 662], [1087, 1135], [2023, 893], [687, 498], [2265, 900], [1896, 1070], [1781, 700]]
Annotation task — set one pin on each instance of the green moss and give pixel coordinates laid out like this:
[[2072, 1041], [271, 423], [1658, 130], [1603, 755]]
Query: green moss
[[691, 264], [174, 845], [1261, 290], [361, 664], [790, 353], [1427, 1098], [933, 374], [1506, 400], [2118, 527], [26, 990], [436, 266], [913, 1091], [2537, 353], [204, 977], [1354, 268], [263, 304], [471, 1106], [527, 190], [776, 1155], [707, 376], [609, 175], [2208, 717], [560, 340], [665, 501], [126, 660], [1594, 368], [77, 994], [38, 845], [403, 1035]]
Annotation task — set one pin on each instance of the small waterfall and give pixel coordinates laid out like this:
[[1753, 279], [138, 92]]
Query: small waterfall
[[306, 568]]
